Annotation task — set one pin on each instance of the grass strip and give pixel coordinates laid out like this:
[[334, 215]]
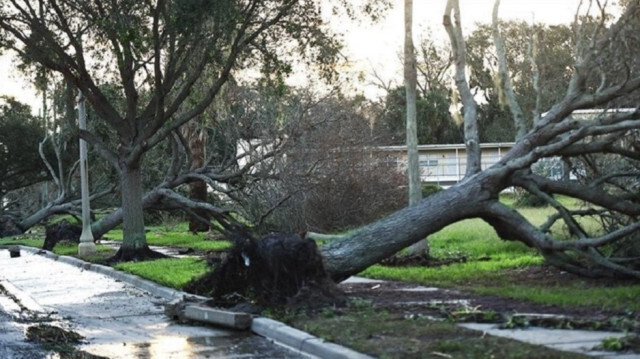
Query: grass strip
[[605, 298], [176, 239], [170, 272]]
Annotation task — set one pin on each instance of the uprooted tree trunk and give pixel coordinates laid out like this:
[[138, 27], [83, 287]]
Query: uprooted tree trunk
[[59, 232], [610, 193], [197, 188]]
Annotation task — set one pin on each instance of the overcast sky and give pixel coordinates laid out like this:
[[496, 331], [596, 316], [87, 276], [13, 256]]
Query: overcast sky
[[376, 46]]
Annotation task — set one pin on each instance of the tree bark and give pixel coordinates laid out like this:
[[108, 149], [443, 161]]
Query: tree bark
[[504, 78], [410, 80], [134, 244], [197, 188], [368, 245], [471, 132]]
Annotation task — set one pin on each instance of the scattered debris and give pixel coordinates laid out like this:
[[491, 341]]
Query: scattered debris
[[45, 333], [14, 251], [629, 343], [59, 340]]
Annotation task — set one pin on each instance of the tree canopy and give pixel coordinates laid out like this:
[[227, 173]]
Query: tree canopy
[[157, 54], [20, 135]]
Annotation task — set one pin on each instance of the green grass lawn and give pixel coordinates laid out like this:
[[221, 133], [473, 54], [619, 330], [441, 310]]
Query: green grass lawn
[[63, 249], [488, 259], [157, 236], [170, 272]]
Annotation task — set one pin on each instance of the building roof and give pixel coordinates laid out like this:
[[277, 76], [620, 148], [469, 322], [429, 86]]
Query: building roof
[[455, 146]]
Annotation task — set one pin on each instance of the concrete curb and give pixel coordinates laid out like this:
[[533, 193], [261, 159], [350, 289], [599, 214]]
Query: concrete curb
[[149, 286], [302, 341], [271, 329], [240, 321]]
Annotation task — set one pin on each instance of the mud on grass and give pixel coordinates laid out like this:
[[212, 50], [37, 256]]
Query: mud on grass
[[379, 333], [393, 320]]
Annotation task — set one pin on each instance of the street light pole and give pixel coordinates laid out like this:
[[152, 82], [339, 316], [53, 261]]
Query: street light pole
[[86, 246]]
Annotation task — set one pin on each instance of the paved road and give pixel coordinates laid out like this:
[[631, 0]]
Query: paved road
[[117, 319]]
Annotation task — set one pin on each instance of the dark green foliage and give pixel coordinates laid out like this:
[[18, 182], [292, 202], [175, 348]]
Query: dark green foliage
[[435, 125], [429, 189], [20, 134], [551, 46]]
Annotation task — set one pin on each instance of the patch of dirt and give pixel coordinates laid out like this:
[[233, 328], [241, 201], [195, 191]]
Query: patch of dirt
[[420, 261], [409, 299]]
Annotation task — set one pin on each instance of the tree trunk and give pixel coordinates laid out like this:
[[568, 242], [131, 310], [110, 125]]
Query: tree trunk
[[134, 244], [133, 221], [198, 192], [368, 245], [43, 214], [410, 80], [197, 188], [471, 132]]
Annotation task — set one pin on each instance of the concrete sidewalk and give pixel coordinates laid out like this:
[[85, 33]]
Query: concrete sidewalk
[[117, 319]]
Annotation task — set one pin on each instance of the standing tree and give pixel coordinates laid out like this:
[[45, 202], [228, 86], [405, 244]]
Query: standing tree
[[410, 79], [158, 53], [435, 125], [538, 73]]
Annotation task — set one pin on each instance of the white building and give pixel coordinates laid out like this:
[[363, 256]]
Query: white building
[[444, 165]]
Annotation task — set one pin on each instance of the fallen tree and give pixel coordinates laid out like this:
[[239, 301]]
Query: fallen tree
[[600, 149], [605, 76]]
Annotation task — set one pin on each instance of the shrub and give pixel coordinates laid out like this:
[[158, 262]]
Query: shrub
[[354, 198], [429, 189]]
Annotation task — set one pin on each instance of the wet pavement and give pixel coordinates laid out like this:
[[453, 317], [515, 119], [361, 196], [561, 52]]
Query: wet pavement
[[116, 319], [12, 344]]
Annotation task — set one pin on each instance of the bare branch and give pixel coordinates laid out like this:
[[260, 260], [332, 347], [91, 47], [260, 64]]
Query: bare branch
[[504, 78], [472, 139]]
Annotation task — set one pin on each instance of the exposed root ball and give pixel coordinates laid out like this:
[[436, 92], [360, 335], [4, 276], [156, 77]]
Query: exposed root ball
[[279, 269], [61, 231]]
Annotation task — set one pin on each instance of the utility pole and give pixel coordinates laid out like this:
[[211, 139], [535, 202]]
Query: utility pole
[[44, 194], [86, 246]]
